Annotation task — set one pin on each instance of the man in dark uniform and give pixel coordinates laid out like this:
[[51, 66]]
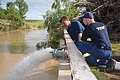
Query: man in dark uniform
[[99, 47], [74, 28]]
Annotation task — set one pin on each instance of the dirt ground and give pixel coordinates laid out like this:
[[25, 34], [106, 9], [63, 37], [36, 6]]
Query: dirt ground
[[114, 75]]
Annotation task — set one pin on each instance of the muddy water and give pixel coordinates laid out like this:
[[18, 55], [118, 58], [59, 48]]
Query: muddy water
[[18, 57]]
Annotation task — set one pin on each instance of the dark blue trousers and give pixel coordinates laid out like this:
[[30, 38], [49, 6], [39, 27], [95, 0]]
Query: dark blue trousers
[[95, 53]]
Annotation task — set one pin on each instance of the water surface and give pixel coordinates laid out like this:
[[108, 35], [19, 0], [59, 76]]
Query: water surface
[[17, 46]]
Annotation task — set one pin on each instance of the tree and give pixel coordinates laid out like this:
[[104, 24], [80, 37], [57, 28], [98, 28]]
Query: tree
[[22, 8], [59, 8], [15, 13], [106, 11], [18, 8], [10, 9], [2, 12]]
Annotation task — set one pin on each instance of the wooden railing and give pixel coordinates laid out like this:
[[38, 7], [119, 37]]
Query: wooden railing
[[79, 68]]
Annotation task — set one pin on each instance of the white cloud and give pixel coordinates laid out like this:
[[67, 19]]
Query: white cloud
[[35, 7]]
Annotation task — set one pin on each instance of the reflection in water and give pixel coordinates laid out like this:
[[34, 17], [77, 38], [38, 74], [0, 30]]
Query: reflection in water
[[12, 42], [15, 46], [21, 41]]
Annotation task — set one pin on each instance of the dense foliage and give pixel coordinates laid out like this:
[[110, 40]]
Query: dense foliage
[[59, 9], [106, 11], [14, 14]]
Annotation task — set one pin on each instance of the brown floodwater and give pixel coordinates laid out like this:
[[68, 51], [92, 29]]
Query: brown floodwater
[[19, 59]]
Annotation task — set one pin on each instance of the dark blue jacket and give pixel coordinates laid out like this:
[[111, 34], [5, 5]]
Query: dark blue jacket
[[98, 33], [75, 28]]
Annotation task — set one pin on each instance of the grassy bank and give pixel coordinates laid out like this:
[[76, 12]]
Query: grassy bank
[[35, 24], [116, 49], [99, 75], [5, 25], [103, 75]]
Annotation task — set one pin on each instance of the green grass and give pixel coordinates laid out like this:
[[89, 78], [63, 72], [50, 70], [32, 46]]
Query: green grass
[[28, 24], [116, 49], [98, 74], [35, 24], [96, 70]]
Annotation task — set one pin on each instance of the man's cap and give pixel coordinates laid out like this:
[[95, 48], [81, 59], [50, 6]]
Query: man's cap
[[87, 15]]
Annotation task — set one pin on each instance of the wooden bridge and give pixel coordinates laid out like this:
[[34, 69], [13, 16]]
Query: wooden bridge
[[77, 69]]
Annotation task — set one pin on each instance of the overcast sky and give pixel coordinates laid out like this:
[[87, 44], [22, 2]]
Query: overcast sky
[[36, 7]]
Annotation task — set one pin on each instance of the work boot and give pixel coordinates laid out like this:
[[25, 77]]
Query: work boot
[[110, 65]]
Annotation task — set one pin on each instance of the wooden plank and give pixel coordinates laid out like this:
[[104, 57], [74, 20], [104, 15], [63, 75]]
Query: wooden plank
[[64, 70], [79, 68]]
